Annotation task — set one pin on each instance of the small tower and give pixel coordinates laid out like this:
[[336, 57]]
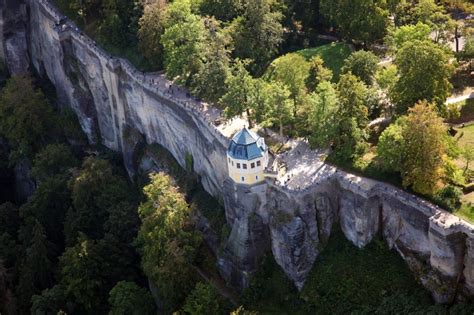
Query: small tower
[[247, 157]]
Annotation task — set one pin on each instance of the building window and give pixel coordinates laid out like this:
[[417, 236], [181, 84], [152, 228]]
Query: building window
[[244, 165], [258, 163], [232, 163], [238, 165], [229, 160], [256, 177], [252, 165], [243, 179]]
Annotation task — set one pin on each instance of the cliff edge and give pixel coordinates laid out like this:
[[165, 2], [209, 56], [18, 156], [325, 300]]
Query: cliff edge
[[119, 106]]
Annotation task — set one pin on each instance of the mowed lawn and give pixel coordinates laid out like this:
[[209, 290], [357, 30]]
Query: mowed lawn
[[332, 54], [465, 138]]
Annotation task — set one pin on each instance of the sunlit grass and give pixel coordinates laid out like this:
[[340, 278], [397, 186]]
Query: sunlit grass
[[333, 55]]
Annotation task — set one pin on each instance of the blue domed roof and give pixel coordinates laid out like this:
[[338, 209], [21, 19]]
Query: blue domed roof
[[246, 145]]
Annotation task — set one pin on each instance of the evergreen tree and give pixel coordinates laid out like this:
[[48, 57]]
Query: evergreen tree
[[167, 241], [322, 115], [351, 117], [128, 298], [36, 269], [258, 33]]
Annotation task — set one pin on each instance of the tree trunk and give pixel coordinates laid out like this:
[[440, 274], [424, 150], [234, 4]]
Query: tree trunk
[[456, 38], [281, 128], [248, 118]]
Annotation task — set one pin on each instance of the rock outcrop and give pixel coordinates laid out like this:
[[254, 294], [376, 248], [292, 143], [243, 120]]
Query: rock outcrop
[[124, 109]]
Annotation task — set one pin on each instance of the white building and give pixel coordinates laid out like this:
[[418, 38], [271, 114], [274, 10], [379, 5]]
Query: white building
[[247, 158]]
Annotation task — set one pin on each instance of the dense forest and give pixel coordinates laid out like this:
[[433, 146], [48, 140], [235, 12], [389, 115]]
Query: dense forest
[[78, 236]]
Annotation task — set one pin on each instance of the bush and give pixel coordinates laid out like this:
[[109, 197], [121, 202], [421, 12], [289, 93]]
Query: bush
[[448, 198]]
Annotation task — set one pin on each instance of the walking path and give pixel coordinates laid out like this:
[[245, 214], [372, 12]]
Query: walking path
[[468, 93]]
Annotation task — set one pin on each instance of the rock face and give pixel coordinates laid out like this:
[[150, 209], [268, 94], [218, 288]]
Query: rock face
[[119, 107], [13, 41], [24, 184]]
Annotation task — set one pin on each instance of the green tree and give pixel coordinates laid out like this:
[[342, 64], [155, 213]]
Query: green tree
[[428, 12], [167, 241], [20, 105], [215, 66], [202, 300], [260, 101], [93, 190], [322, 117], [151, 29], [54, 159], [292, 70], [424, 73], [408, 33], [9, 219], [387, 77], [224, 10], [84, 8], [239, 84], [184, 46], [359, 20], [317, 73], [258, 33], [424, 149], [6, 295], [351, 117], [467, 52], [390, 147], [281, 112], [36, 269], [128, 298], [363, 64], [48, 205], [118, 25], [81, 269], [51, 301]]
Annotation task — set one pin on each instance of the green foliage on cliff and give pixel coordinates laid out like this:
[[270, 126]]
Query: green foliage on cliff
[[128, 298], [167, 242], [344, 279]]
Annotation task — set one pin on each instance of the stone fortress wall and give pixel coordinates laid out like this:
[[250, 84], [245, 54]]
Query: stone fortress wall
[[120, 107]]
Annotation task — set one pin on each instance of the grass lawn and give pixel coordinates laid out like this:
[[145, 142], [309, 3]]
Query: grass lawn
[[466, 211], [466, 136], [467, 111], [333, 55]]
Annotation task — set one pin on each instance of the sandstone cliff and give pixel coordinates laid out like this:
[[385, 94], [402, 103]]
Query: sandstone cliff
[[121, 108]]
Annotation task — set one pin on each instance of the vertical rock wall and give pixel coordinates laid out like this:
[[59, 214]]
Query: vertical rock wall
[[118, 107], [110, 97], [13, 40]]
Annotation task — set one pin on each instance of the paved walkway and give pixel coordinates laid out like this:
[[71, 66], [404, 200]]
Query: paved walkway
[[467, 94]]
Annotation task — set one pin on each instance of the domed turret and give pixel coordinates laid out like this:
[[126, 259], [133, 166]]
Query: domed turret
[[247, 157]]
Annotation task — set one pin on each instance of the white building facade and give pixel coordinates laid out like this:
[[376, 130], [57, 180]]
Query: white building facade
[[247, 158]]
